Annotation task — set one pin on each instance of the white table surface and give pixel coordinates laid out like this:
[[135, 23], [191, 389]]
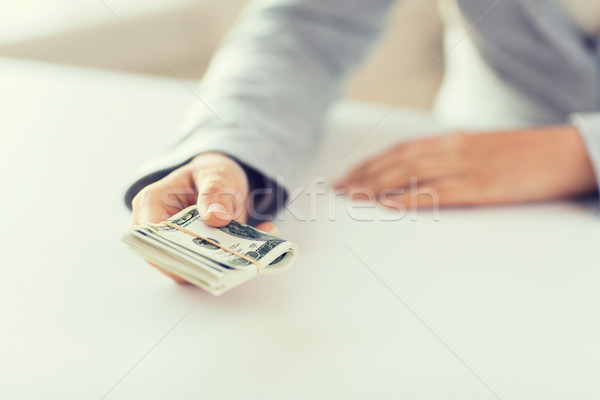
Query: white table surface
[[483, 304]]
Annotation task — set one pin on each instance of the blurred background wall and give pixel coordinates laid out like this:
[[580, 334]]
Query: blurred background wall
[[184, 33]]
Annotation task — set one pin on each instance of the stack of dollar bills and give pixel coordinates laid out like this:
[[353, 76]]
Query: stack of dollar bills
[[215, 259]]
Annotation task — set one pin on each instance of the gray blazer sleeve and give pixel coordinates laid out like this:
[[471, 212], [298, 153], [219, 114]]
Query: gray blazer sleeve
[[267, 89]]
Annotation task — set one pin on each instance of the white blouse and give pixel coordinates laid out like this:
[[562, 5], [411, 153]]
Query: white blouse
[[472, 95], [585, 13]]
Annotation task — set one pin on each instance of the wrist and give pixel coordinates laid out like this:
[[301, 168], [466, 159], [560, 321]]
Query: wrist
[[576, 159]]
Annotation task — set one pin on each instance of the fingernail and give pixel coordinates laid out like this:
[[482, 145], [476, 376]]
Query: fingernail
[[217, 208], [273, 231]]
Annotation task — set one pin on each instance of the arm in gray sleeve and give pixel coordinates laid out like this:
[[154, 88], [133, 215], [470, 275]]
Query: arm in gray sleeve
[[266, 92], [588, 125]]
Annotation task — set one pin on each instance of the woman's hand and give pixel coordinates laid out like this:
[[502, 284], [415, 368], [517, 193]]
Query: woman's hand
[[477, 169], [213, 181]]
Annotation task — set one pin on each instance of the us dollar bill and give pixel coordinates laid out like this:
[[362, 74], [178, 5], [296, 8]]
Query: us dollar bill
[[215, 259]]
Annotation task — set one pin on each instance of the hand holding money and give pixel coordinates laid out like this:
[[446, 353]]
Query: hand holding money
[[214, 182], [215, 259]]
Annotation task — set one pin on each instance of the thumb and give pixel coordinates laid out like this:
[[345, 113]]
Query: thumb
[[222, 189], [221, 200], [216, 201]]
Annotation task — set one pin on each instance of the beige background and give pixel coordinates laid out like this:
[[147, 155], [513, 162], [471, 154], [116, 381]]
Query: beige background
[[398, 70]]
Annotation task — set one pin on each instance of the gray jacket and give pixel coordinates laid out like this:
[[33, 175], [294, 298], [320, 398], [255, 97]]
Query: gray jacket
[[267, 90]]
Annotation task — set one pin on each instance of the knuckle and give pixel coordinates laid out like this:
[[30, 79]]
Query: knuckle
[[138, 200], [148, 195], [209, 172], [456, 142], [412, 170], [211, 187], [215, 171], [400, 147], [135, 202]]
